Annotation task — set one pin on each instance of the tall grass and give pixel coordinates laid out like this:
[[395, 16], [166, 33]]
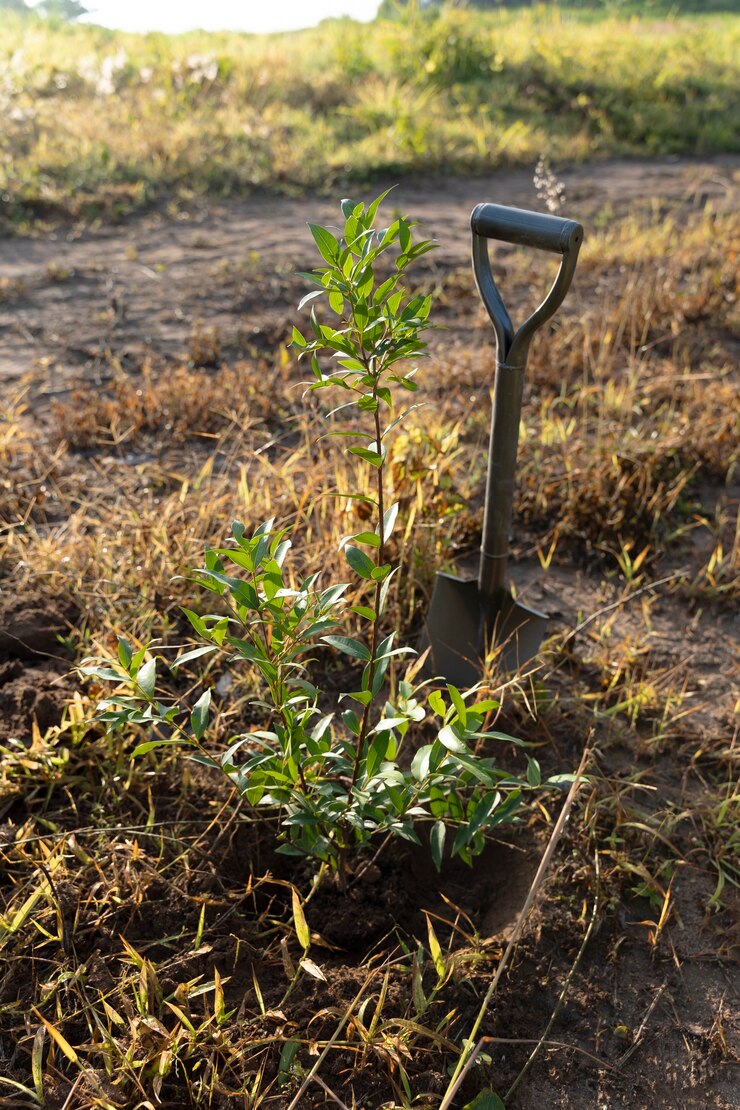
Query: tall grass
[[96, 119]]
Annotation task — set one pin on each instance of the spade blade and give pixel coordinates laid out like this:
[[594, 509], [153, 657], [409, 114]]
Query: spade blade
[[519, 630], [455, 628]]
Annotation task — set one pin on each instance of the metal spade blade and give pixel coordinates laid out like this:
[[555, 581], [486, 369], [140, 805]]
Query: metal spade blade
[[459, 640]]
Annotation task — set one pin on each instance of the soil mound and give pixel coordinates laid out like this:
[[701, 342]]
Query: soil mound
[[34, 664]]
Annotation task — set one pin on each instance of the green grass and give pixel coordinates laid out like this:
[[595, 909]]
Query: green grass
[[96, 120]]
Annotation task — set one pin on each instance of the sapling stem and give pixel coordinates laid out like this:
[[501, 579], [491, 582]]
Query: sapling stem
[[361, 739]]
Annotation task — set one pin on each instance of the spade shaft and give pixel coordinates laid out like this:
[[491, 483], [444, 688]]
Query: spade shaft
[[497, 513]]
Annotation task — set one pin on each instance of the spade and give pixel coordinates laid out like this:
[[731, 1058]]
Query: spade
[[469, 616]]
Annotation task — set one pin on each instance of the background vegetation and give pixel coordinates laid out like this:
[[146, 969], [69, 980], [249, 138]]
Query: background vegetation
[[98, 120]]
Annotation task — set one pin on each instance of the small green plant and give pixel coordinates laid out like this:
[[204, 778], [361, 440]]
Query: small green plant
[[339, 779]]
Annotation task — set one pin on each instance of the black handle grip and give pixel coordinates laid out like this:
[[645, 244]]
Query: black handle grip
[[526, 229]]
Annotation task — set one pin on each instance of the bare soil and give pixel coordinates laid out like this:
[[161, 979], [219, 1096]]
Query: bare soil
[[78, 297], [34, 664], [643, 1024]]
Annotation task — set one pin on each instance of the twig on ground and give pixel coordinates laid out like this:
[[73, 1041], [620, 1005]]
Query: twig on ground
[[464, 1063], [532, 1040], [624, 600], [329, 1044], [566, 986], [328, 1091], [640, 1034]]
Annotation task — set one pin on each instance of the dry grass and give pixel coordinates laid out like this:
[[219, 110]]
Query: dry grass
[[149, 946]]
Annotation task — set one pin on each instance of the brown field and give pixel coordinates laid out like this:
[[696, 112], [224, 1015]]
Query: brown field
[[148, 399]]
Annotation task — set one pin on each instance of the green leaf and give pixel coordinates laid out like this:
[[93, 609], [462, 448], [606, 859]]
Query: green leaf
[[352, 721], [437, 703], [459, 704], [321, 626], [438, 756], [147, 677], [372, 457], [125, 654], [148, 745], [561, 780], [196, 653], [199, 715], [138, 659], [389, 235], [534, 774], [290, 850], [436, 952], [336, 300], [196, 621], [493, 735], [485, 1100], [476, 767], [319, 729], [313, 276], [386, 723], [394, 302], [288, 1055], [361, 696], [370, 538], [486, 704], [483, 811], [379, 751], [205, 760], [213, 563], [325, 241], [349, 646], [389, 520], [373, 207], [363, 611], [384, 590], [304, 301], [331, 595], [420, 763], [452, 741], [361, 563], [381, 668], [437, 843]]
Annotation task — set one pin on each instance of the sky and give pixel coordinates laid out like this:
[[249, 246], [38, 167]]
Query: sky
[[216, 15]]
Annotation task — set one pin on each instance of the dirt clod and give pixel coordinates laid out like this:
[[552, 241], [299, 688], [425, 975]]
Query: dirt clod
[[33, 662]]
